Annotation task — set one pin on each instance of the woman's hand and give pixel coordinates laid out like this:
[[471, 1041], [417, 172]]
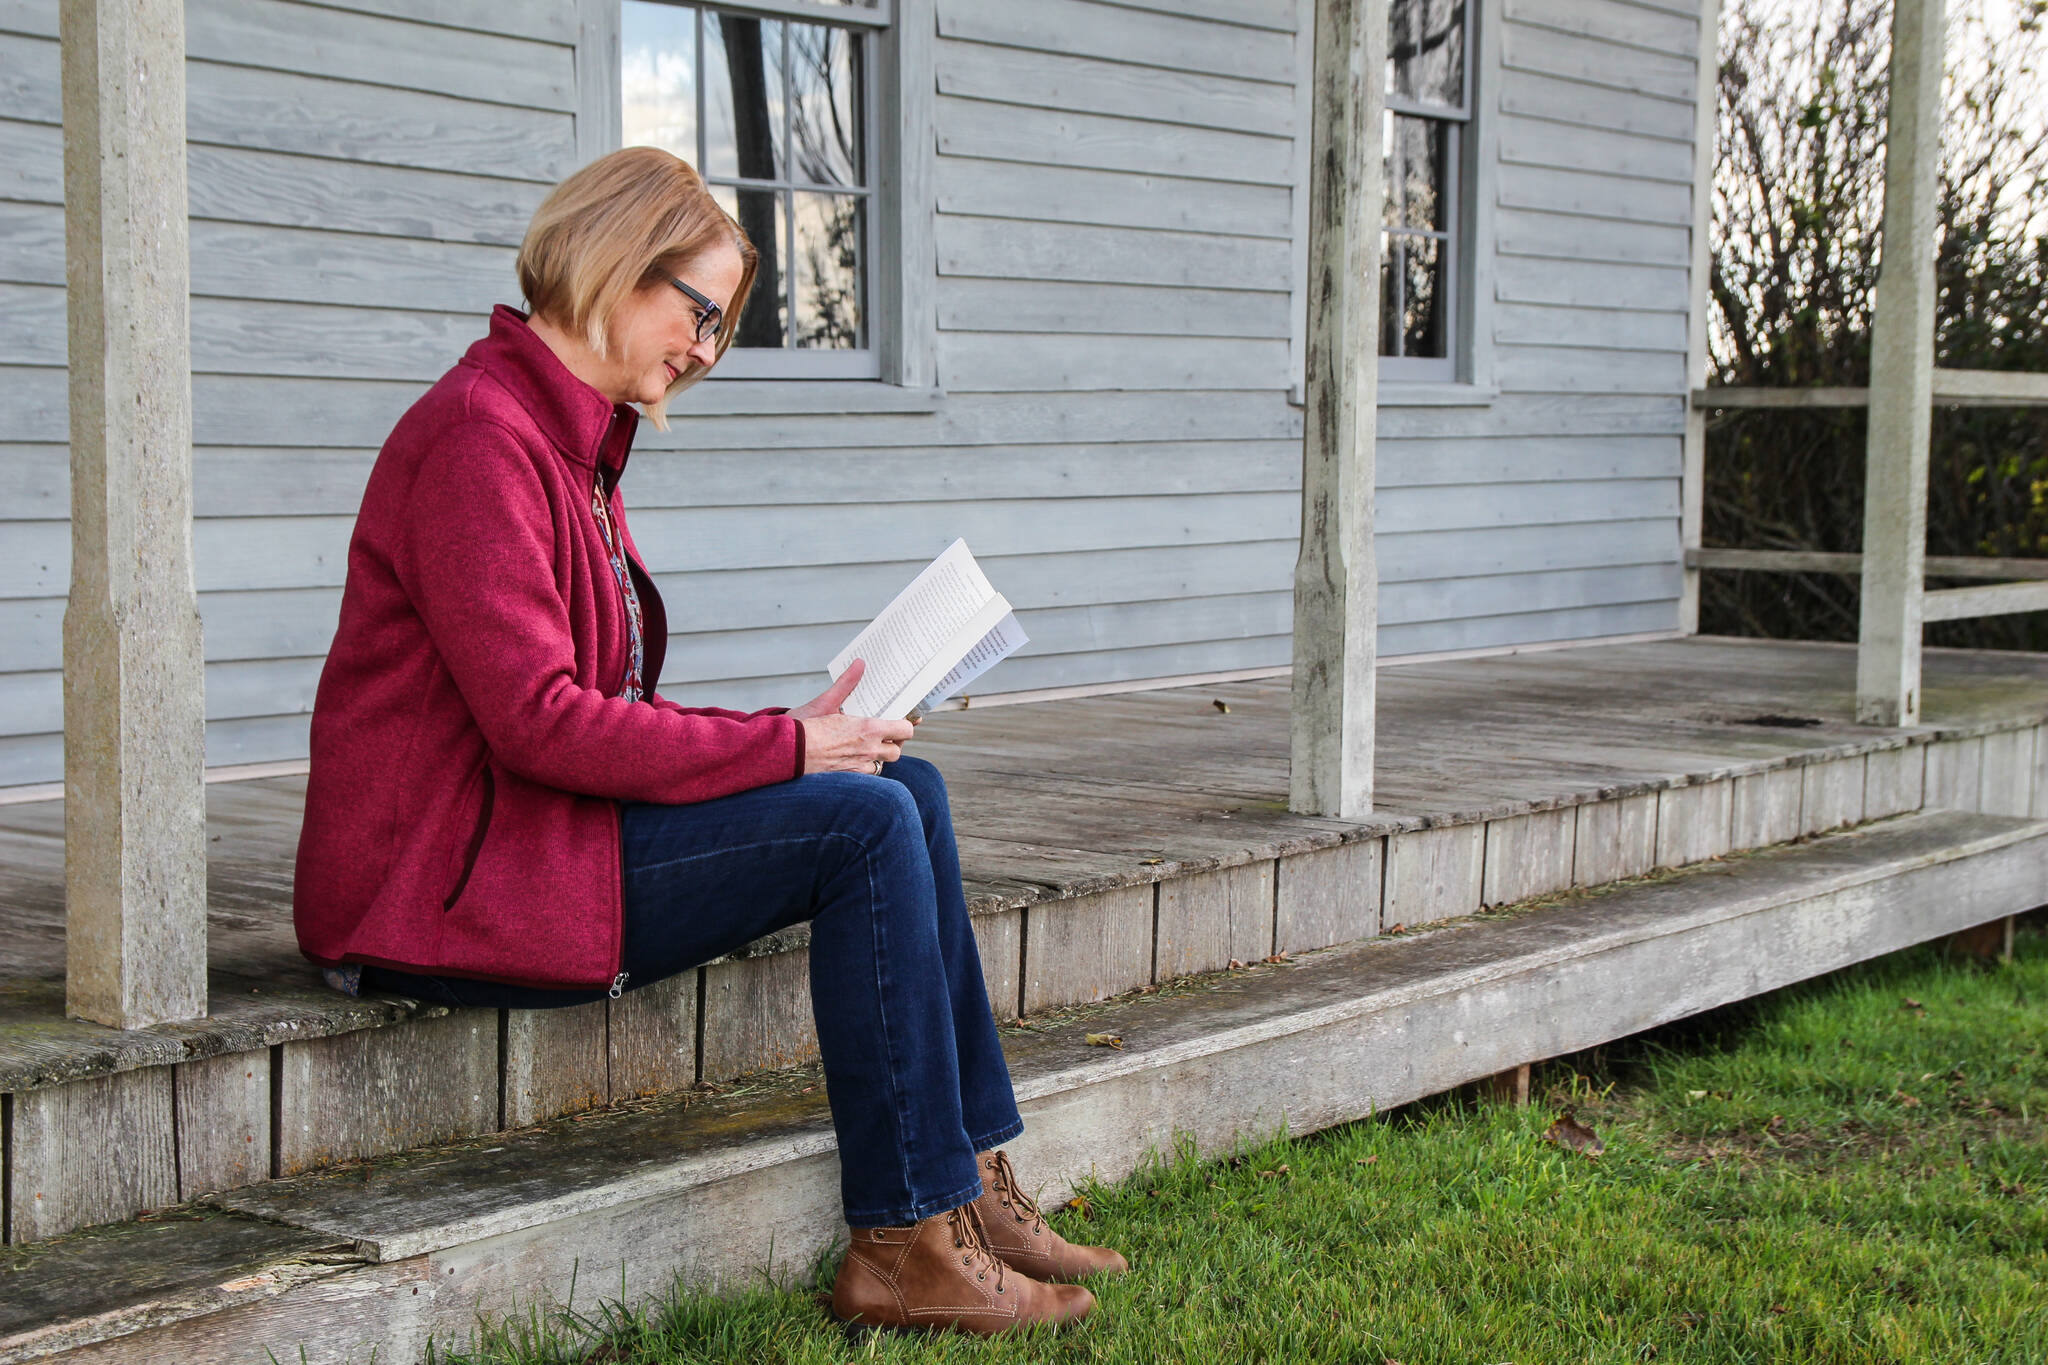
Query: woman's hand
[[837, 742]]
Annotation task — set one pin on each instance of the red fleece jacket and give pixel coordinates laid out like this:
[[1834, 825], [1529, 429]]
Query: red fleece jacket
[[469, 748]]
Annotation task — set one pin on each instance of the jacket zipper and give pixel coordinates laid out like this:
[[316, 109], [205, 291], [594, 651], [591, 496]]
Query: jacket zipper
[[619, 985], [476, 839]]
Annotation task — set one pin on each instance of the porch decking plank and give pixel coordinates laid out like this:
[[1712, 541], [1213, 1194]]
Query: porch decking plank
[[223, 1117], [652, 1038], [92, 1151], [1894, 781], [1529, 855], [2007, 781], [386, 1089], [1615, 839], [757, 1014], [1329, 896], [1087, 949], [1694, 823], [1434, 874], [1955, 774], [1765, 807], [555, 1062], [1832, 794], [999, 940], [1212, 918]]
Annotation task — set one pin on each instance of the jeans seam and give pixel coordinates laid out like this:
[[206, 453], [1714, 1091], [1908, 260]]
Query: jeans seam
[[723, 850], [876, 945]]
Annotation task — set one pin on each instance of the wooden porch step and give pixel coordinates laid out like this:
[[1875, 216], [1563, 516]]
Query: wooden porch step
[[717, 1189]]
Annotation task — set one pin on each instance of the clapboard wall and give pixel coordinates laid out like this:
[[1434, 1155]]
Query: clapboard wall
[[1117, 243]]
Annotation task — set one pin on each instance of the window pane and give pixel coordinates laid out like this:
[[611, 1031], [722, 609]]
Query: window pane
[[742, 97], [1416, 165], [1422, 297], [1426, 51], [658, 76], [765, 320], [824, 108], [1390, 295], [827, 263]]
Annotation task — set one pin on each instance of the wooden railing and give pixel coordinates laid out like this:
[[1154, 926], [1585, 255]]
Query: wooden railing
[[2022, 584]]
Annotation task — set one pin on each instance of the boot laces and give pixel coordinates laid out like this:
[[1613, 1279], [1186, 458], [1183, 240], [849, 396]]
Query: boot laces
[[1004, 1177], [973, 1242]]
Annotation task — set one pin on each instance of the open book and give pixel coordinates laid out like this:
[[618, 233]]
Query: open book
[[942, 632]]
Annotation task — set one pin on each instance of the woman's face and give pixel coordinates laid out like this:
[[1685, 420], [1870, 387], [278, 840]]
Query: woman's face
[[654, 331]]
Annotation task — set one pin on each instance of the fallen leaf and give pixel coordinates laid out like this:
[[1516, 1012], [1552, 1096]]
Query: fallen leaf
[[1221, 705], [1396, 929], [1079, 1204], [1775, 1126], [1366, 1161], [1567, 1132], [1235, 965], [1276, 958], [1909, 1003], [1114, 1040], [1695, 1094], [1150, 862], [1905, 1101]]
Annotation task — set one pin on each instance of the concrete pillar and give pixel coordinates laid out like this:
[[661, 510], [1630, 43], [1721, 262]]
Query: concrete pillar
[[1336, 580], [1705, 124], [134, 713], [1901, 378]]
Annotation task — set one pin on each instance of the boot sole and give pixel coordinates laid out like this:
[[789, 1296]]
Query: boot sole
[[857, 1331]]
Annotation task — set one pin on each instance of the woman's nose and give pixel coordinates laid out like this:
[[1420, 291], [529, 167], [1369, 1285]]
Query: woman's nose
[[704, 351]]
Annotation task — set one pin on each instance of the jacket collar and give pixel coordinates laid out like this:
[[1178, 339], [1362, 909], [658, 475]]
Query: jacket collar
[[582, 423]]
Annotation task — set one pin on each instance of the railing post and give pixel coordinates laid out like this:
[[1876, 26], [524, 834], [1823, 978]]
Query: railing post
[[134, 713], [1336, 581], [1901, 377], [1705, 127]]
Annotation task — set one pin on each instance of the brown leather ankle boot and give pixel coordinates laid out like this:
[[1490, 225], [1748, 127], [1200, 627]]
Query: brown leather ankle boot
[[938, 1275], [1017, 1231]]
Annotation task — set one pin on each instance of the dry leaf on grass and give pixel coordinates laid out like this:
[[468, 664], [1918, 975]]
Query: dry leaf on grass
[[1114, 1040], [1909, 1003], [1079, 1204], [1366, 1161], [1567, 1132]]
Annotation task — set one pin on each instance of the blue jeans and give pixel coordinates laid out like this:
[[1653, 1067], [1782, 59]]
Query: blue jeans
[[914, 1071]]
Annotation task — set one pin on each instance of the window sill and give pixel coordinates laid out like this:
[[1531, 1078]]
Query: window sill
[[1414, 395], [1409, 394], [776, 397]]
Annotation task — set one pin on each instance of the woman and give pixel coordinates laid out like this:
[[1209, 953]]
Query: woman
[[503, 811]]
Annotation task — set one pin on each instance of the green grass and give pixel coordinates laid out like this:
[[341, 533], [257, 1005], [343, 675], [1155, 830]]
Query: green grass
[[1853, 1170]]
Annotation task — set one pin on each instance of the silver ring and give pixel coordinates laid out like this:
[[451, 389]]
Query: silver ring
[[878, 767]]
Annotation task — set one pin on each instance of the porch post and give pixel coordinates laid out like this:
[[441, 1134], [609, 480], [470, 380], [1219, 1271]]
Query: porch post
[[1705, 129], [134, 716], [1336, 582], [1901, 377]]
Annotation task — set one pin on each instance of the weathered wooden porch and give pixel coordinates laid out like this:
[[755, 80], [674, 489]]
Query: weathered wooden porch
[[1109, 843]]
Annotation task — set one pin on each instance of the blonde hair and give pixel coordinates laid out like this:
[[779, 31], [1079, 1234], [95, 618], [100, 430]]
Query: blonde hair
[[627, 221]]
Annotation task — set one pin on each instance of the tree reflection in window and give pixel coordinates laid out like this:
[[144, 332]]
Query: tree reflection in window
[[1428, 106], [779, 132]]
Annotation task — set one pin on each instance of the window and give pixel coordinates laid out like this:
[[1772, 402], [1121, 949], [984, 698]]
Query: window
[[1429, 107], [774, 105]]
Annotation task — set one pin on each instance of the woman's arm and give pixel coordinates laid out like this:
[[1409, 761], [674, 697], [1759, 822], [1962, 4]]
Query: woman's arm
[[480, 569]]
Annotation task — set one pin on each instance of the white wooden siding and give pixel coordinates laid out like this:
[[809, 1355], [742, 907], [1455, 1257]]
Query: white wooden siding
[[1113, 247]]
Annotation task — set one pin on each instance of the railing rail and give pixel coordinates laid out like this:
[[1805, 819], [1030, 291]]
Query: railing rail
[[1952, 388]]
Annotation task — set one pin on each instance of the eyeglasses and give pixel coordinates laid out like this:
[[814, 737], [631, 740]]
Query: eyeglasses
[[710, 317]]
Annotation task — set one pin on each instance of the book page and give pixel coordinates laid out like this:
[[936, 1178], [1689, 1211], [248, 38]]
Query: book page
[[999, 644], [906, 640]]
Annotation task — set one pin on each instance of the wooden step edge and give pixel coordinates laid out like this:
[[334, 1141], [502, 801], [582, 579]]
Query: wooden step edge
[[613, 1159], [106, 1283]]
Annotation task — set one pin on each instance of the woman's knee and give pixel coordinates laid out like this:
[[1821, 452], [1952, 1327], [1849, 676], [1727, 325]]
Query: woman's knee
[[869, 807], [922, 779]]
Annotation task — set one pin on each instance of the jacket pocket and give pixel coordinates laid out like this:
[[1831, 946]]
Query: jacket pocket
[[476, 838]]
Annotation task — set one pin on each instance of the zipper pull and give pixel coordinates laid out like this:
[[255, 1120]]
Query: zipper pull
[[619, 985]]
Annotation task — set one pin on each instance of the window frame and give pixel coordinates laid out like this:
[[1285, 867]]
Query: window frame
[[900, 296], [1466, 379]]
